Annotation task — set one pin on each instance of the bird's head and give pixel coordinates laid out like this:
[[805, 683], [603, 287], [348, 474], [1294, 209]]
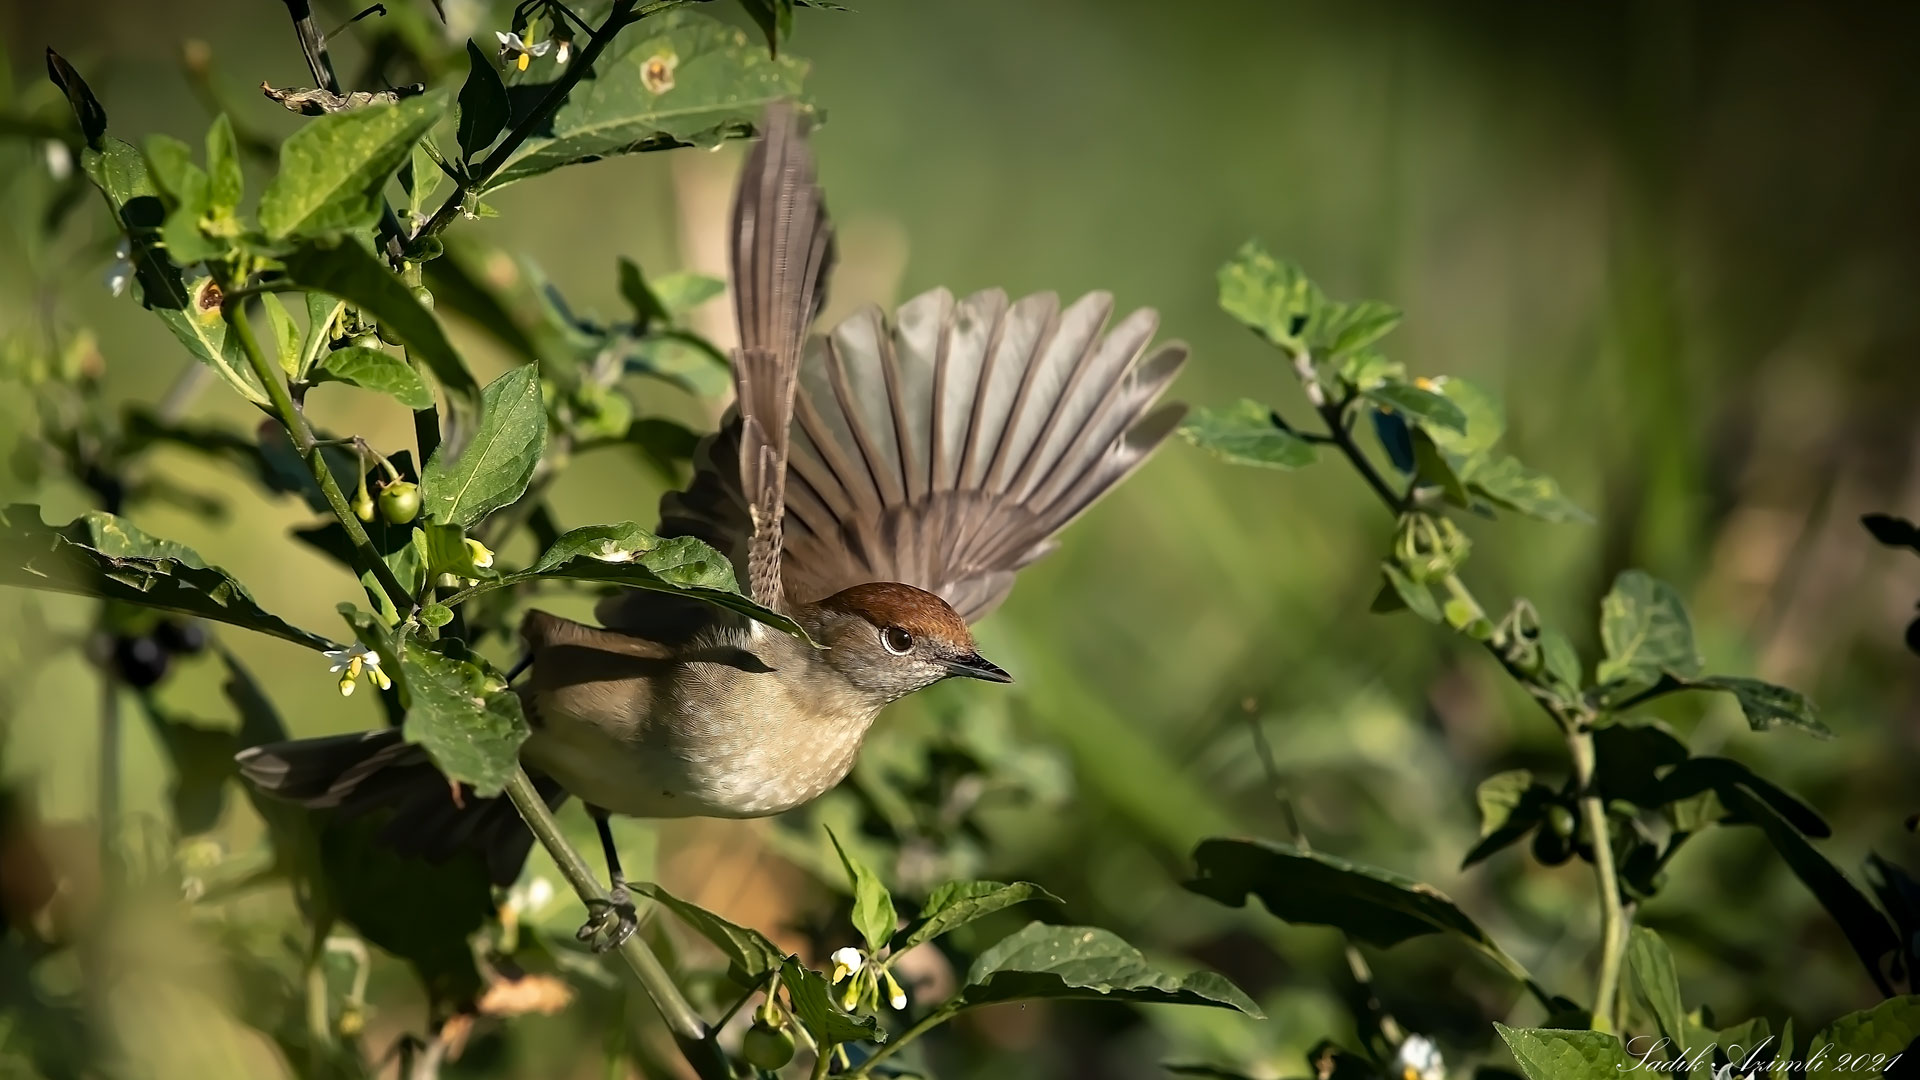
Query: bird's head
[[889, 639]]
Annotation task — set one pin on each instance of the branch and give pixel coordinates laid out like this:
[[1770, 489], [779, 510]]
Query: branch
[[695, 1039]]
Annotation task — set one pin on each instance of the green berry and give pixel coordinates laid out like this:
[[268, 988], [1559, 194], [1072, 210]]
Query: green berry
[[400, 502], [421, 293], [766, 1046]]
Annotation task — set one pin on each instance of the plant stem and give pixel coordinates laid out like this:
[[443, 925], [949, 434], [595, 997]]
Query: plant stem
[[689, 1031], [1613, 923], [927, 1023], [301, 433], [622, 15]]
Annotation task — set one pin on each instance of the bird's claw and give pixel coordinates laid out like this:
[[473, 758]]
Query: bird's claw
[[610, 922]]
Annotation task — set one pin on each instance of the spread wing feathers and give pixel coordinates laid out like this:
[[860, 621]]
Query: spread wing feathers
[[947, 450], [782, 248]]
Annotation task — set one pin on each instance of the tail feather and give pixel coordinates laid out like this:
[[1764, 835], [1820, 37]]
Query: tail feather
[[380, 771]]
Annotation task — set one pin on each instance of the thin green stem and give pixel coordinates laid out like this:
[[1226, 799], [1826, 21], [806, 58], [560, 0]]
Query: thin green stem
[[927, 1023], [301, 433], [689, 1031], [622, 16], [1613, 922]]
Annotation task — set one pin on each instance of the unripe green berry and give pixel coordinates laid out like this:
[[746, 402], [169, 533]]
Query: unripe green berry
[[400, 502], [766, 1046]]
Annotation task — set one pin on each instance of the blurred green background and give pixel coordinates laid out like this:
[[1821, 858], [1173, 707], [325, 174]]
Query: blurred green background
[[1681, 239]]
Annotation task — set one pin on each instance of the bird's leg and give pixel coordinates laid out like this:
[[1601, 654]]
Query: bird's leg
[[613, 920]]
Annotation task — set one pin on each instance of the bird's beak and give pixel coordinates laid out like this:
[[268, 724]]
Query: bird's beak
[[977, 667]]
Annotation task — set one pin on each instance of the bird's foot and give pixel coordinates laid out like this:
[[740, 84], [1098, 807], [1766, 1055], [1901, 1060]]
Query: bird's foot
[[610, 922]]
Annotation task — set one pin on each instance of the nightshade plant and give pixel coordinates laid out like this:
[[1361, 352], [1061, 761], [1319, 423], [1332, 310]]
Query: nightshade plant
[[333, 276], [1632, 793]]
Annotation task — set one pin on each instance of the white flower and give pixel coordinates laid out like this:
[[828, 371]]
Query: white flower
[[59, 159], [530, 897], [350, 662], [608, 551], [1419, 1059], [563, 51], [896, 997], [846, 962], [519, 52], [478, 553], [121, 271]]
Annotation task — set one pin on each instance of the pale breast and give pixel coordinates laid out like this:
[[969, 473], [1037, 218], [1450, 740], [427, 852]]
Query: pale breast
[[695, 737]]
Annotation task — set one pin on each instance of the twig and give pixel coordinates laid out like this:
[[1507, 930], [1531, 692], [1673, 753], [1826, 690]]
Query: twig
[[1612, 916], [689, 1031]]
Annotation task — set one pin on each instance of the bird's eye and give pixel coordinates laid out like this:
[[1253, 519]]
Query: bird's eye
[[897, 641]]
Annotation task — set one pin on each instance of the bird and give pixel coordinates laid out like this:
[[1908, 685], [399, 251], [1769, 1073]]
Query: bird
[[880, 484]]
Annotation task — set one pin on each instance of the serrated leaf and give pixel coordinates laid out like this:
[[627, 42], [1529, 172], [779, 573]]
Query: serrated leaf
[[483, 104], [101, 555], [226, 184], [1245, 434], [1375, 906], [626, 554], [1045, 961], [749, 954], [957, 903], [463, 713], [1507, 483], [1646, 632], [1418, 598], [1546, 1054], [678, 78], [1657, 984], [1267, 294], [377, 370], [497, 464], [1880, 1033], [1768, 706], [332, 169], [348, 271], [873, 913]]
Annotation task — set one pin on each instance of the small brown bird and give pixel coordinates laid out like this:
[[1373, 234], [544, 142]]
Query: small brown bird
[[880, 485]]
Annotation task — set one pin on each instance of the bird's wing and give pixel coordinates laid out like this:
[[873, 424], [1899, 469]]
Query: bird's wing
[[945, 450], [782, 249]]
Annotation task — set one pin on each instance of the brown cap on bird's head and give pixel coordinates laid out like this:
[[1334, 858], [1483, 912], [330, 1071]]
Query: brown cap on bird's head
[[922, 617]]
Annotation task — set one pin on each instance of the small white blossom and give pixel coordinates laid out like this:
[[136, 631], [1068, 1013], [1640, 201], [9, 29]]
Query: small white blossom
[[59, 159], [896, 997], [563, 51], [479, 553], [349, 663], [846, 962], [121, 271], [517, 52], [1419, 1059]]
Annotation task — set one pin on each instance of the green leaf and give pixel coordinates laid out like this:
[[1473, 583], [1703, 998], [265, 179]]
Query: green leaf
[[1511, 804], [1646, 632], [483, 104], [683, 290], [185, 243], [1768, 706], [200, 327], [774, 18], [749, 954], [1866, 929], [1044, 961], [170, 163], [377, 370], [1245, 434], [284, 334], [420, 178], [1657, 985], [225, 182], [626, 554], [101, 555], [1417, 597], [1486, 423], [813, 1002], [1507, 483], [120, 172], [348, 271], [1341, 329], [873, 913], [321, 311], [1560, 661], [958, 903], [1375, 906], [497, 464], [463, 713], [332, 170], [679, 78], [1546, 1054], [1421, 406], [1272, 297], [1880, 1033]]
